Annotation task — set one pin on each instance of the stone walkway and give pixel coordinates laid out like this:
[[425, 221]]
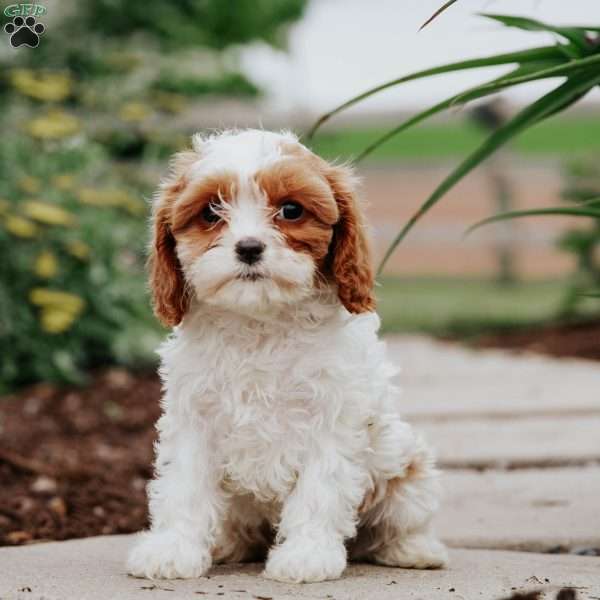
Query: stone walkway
[[519, 440]]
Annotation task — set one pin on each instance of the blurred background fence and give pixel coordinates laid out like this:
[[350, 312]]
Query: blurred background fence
[[90, 116]]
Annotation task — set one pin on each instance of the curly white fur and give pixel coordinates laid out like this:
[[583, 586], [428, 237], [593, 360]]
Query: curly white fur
[[284, 420]]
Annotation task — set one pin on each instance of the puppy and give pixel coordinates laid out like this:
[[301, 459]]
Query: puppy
[[281, 435]]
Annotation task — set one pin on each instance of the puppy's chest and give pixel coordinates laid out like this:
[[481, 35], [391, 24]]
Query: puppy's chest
[[264, 378], [265, 424], [270, 400], [262, 453], [267, 407]]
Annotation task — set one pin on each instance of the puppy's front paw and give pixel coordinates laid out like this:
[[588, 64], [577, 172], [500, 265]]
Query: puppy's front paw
[[302, 560], [167, 555], [416, 551]]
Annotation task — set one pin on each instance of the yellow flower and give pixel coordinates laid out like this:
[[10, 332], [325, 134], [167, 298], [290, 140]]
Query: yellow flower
[[111, 197], [29, 184], [46, 86], [63, 182], [78, 249], [59, 309], [48, 213], [134, 111], [134, 206], [20, 227], [56, 320], [95, 197], [46, 265], [54, 125], [47, 297]]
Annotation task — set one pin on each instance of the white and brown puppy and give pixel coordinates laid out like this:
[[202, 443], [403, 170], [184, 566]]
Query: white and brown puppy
[[281, 434]]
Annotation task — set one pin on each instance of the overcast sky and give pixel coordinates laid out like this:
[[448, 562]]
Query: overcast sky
[[342, 47]]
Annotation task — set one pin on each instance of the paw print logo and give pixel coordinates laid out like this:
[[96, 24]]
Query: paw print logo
[[24, 32]]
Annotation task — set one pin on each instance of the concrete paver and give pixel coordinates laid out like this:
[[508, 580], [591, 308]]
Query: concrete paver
[[442, 380], [530, 509], [496, 399], [92, 569], [515, 443]]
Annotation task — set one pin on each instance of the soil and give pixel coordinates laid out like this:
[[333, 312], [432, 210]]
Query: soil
[[567, 340], [74, 462]]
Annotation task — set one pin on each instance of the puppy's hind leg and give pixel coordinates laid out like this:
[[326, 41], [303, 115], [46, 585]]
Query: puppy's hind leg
[[395, 529]]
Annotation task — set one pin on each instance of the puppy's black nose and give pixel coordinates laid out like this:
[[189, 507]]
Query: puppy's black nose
[[249, 250]]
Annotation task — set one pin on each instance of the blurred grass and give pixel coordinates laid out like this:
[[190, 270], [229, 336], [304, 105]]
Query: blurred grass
[[440, 140], [465, 307]]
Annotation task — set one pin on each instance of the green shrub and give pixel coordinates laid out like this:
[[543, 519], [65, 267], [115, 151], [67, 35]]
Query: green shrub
[[73, 284], [231, 84], [85, 119], [582, 188]]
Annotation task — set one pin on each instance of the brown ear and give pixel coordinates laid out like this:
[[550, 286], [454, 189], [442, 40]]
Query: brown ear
[[350, 260], [169, 295]]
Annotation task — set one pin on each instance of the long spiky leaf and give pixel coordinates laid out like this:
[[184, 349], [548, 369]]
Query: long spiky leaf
[[559, 211], [519, 57], [533, 113], [437, 13], [576, 35], [481, 91], [561, 70], [524, 74]]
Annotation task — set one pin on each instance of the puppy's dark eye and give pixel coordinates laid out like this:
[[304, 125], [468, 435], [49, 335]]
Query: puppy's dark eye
[[210, 213], [290, 211]]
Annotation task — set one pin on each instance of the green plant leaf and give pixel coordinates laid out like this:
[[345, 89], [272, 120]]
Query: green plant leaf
[[575, 35], [562, 70], [569, 50], [561, 96], [481, 91], [566, 104], [559, 211], [437, 13], [542, 53]]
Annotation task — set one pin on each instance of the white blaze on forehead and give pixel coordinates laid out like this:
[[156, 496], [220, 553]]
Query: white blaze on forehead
[[245, 152], [248, 213]]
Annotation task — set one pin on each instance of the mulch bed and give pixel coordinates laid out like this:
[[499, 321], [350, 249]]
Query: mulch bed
[[567, 340], [74, 461]]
